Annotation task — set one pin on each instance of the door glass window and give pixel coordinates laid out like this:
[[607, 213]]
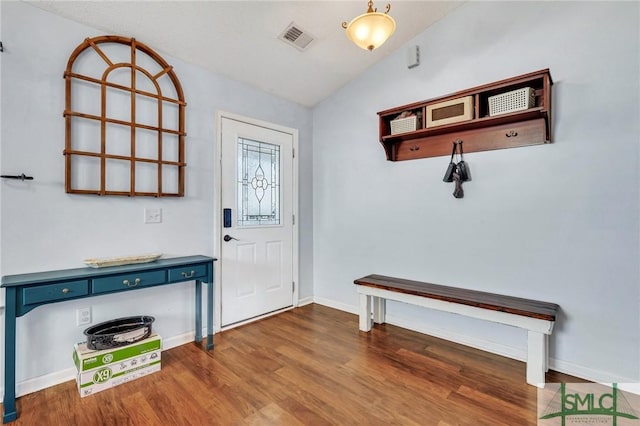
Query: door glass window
[[258, 183]]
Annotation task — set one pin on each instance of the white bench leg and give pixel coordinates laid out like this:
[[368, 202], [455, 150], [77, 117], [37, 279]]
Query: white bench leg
[[365, 312], [379, 310], [537, 358], [546, 352]]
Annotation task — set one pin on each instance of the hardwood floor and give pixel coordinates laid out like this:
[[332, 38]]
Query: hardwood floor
[[308, 366]]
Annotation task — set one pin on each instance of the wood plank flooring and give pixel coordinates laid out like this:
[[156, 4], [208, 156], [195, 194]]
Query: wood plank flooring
[[308, 366]]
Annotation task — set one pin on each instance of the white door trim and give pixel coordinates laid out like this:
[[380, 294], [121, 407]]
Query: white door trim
[[217, 216]]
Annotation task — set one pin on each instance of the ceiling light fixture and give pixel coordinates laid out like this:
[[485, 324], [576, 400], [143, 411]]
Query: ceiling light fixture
[[370, 30]]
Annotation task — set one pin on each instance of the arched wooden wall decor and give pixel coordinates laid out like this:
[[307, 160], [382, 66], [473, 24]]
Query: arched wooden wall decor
[[124, 121]]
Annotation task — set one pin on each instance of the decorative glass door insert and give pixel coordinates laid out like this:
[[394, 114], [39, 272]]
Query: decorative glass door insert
[[258, 183]]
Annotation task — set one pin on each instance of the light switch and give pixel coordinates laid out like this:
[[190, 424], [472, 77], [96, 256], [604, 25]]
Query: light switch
[[153, 215]]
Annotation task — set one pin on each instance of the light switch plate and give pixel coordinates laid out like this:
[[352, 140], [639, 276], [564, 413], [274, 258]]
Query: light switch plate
[[153, 215]]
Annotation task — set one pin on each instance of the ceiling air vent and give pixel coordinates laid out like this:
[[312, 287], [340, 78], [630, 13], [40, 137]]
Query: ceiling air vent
[[296, 37]]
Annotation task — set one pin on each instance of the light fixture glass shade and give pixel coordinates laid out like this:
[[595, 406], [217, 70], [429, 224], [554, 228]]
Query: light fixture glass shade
[[370, 30]]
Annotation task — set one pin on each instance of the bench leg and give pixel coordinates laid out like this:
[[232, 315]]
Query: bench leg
[[365, 312], [537, 358], [546, 353], [379, 310]]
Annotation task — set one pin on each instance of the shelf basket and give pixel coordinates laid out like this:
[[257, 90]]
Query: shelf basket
[[516, 100], [403, 125]]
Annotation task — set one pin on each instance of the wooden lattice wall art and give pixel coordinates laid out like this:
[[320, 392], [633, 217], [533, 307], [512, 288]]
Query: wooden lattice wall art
[[124, 121]]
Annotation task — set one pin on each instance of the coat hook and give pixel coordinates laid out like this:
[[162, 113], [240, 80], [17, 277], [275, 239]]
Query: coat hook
[[21, 177], [1, 47]]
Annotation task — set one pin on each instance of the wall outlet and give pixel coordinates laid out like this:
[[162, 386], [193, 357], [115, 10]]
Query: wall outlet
[[153, 215], [83, 316]]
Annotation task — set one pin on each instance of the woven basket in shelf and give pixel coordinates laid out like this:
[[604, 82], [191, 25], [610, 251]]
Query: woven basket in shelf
[[403, 125], [516, 100]]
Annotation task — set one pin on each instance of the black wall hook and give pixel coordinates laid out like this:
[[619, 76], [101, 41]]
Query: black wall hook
[[21, 177]]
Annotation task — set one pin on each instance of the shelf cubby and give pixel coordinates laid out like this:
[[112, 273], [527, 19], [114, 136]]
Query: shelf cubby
[[482, 132]]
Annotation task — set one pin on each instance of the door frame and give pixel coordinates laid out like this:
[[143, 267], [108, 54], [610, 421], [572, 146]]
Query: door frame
[[217, 216]]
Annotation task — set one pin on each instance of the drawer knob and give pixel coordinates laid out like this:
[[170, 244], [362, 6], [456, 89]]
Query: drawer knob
[[188, 275], [65, 290], [511, 134]]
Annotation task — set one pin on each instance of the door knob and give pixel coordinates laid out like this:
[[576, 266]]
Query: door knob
[[228, 238]]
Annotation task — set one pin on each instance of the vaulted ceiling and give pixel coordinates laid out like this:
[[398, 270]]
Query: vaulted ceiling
[[240, 39]]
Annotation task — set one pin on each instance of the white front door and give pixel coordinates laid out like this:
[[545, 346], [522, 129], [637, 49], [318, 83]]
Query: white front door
[[257, 221]]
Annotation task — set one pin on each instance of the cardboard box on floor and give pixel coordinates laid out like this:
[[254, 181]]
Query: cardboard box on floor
[[98, 370]]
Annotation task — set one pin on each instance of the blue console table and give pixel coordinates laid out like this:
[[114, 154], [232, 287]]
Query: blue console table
[[25, 292]]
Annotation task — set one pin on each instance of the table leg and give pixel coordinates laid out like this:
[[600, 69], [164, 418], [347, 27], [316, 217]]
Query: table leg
[[9, 403], [198, 311], [210, 315]]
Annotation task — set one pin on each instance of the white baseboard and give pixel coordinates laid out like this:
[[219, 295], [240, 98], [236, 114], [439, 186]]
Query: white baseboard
[[629, 387], [336, 305], [485, 345], [305, 301], [463, 339], [594, 375], [181, 339], [495, 348], [42, 382]]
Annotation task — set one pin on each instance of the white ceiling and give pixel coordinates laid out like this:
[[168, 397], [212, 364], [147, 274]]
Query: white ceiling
[[239, 39]]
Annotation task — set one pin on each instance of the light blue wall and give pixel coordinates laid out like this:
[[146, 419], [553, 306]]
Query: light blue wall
[[555, 222], [44, 228]]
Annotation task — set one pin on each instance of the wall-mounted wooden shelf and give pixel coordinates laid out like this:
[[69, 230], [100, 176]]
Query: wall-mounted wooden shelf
[[481, 132]]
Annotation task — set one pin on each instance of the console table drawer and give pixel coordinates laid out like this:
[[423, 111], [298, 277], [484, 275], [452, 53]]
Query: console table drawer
[[185, 272], [52, 292], [126, 281]]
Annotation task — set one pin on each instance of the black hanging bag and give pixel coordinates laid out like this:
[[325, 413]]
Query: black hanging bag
[[448, 175], [462, 166], [457, 172], [458, 192]]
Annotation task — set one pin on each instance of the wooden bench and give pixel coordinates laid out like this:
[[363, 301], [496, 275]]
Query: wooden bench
[[536, 317]]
